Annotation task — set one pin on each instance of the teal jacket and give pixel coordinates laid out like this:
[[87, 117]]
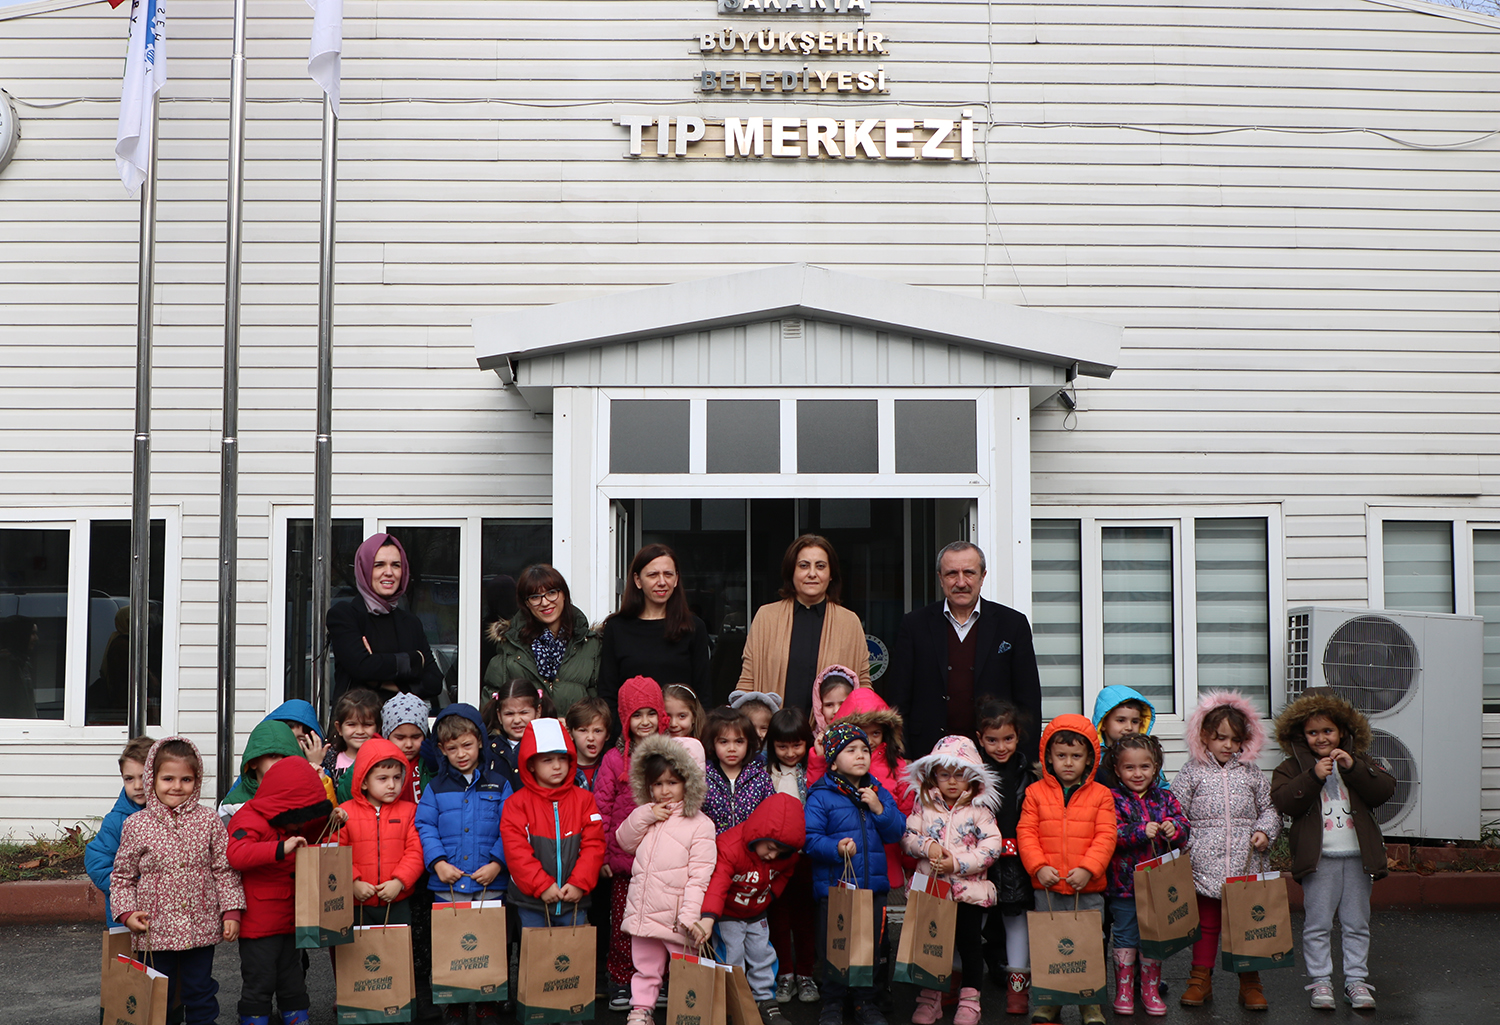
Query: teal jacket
[[99, 855]]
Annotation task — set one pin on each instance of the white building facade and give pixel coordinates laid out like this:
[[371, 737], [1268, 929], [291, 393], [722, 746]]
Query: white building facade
[[1186, 313]]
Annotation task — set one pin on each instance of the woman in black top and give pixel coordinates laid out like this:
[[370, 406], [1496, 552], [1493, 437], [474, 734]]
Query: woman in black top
[[654, 633], [376, 644]]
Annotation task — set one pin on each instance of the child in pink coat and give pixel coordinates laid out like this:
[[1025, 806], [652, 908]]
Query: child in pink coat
[[675, 853]]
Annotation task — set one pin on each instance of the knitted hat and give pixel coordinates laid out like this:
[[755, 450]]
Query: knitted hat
[[741, 698], [840, 736], [401, 710]]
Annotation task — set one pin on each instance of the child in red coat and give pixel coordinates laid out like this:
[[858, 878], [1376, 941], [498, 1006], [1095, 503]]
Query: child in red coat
[[552, 830], [381, 826], [289, 810]]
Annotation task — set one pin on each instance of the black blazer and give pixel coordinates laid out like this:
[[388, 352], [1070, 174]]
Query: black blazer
[[1005, 667], [408, 662]]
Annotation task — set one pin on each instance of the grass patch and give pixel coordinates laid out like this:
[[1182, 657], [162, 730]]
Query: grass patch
[[45, 857]]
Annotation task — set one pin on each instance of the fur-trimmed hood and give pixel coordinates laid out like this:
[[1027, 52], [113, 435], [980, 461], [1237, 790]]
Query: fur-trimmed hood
[[1354, 728], [685, 755], [1193, 730], [960, 755], [865, 708]]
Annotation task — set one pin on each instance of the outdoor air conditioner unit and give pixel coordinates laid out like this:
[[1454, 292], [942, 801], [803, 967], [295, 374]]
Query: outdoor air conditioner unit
[[1418, 677]]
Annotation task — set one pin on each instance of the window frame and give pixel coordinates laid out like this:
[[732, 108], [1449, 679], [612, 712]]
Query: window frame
[[77, 521], [1464, 522], [470, 524], [1182, 522]]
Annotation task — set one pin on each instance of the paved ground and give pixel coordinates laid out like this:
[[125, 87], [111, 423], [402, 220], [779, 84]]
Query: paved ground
[[1430, 967]]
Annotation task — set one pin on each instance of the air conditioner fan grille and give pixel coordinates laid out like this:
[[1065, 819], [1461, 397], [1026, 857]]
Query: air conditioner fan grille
[[1394, 756], [1372, 662]]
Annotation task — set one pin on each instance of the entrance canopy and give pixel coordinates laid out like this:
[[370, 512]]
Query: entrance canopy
[[794, 325], [784, 399]]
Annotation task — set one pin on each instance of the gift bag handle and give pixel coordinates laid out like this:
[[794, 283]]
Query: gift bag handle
[[848, 875]]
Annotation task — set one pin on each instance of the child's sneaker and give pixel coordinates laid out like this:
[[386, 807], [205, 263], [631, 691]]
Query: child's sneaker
[[770, 1012], [455, 1014], [486, 1012], [640, 1016], [1361, 995], [784, 985], [807, 990], [968, 1007], [619, 997], [831, 1013], [867, 1013], [1047, 1014], [1322, 995], [929, 1008]]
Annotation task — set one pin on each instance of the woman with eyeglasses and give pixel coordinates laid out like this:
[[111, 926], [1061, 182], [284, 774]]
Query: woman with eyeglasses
[[654, 633], [547, 641]]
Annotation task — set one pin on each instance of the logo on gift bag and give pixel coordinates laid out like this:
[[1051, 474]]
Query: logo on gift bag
[[1258, 913], [1065, 946], [372, 963], [1172, 894], [130, 1004], [469, 941], [841, 923], [333, 882], [692, 998], [932, 929], [562, 963]]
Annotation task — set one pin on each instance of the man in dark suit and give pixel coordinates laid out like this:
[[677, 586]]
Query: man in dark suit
[[956, 651]]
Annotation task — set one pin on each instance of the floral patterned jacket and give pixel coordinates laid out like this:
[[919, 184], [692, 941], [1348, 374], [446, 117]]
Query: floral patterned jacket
[[968, 833], [1132, 812]]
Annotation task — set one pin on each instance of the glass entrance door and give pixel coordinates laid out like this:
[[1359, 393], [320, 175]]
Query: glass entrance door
[[729, 555]]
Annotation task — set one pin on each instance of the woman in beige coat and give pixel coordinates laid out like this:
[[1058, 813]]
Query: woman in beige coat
[[791, 640]]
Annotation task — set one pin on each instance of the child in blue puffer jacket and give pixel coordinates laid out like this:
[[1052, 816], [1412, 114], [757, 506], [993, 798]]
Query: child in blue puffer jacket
[[458, 818], [99, 855], [849, 813]]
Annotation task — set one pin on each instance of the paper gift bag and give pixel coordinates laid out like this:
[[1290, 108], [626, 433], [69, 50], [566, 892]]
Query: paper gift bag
[[924, 957], [851, 934], [1067, 955], [469, 956], [375, 978], [116, 942], [556, 980], [1257, 923], [739, 1001], [325, 896], [1166, 905], [696, 992], [132, 994]]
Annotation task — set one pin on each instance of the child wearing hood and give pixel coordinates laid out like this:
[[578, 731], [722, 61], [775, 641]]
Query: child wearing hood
[[172, 884], [290, 809], [954, 837], [1228, 805], [1067, 831], [99, 854], [756, 860], [830, 690], [673, 845], [552, 831], [1330, 786], [380, 824], [643, 714], [1119, 710], [850, 814]]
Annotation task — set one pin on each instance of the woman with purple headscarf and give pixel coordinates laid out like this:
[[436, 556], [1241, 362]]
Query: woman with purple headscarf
[[375, 643]]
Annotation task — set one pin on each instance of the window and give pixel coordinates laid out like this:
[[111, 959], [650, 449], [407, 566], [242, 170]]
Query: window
[[506, 548], [347, 535], [1445, 562], [1169, 606], [76, 573]]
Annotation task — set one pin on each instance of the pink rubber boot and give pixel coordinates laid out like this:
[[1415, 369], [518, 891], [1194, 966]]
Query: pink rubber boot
[[1124, 980]]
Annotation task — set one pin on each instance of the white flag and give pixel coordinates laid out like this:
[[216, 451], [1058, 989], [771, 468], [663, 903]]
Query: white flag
[[323, 59], [145, 74]]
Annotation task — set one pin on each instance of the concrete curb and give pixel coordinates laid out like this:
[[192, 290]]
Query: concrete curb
[[55, 901]]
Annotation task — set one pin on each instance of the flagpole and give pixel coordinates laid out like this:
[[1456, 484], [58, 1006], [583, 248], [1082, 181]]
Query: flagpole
[[140, 492], [323, 453], [229, 461]]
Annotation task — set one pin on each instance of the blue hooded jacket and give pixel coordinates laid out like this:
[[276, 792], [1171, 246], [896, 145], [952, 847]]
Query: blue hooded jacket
[[459, 820], [99, 855], [298, 711], [1108, 700]]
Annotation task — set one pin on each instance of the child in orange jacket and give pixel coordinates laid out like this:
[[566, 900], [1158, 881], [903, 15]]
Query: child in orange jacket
[[1067, 831], [382, 829]]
